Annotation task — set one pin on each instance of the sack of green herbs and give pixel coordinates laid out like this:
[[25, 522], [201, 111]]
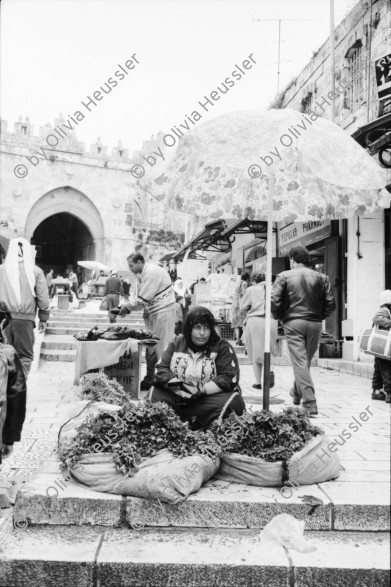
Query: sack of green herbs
[[100, 388], [141, 450], [270, 449]]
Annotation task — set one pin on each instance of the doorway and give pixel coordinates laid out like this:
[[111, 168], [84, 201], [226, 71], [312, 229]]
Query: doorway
[[61, 240]]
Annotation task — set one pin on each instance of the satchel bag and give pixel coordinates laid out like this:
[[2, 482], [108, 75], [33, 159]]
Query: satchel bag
[[377, 342], [104, 305]]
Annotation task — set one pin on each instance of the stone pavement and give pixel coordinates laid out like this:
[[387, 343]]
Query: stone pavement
[[365, 456], [87, 539]]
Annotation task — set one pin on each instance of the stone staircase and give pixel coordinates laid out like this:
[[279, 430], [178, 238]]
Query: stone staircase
[[59, 343], [65, 534]]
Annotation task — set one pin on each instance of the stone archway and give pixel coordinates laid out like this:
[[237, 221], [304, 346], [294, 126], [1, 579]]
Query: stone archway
[[73, 202]]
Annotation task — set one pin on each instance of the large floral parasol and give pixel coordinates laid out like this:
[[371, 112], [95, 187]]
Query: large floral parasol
[[279, 165]]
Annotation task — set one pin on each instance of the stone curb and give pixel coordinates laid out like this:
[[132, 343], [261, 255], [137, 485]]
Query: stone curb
[[88, 557], [52, 499]]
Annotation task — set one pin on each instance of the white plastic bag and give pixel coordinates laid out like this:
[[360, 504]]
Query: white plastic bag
[[287, 531]]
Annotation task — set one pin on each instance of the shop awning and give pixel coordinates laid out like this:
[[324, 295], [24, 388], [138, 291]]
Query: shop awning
[[219, 235], [376, 135], [246, 226], [167, 257], [209, 239]]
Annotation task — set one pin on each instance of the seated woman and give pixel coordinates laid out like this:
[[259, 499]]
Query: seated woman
[[198, 374]]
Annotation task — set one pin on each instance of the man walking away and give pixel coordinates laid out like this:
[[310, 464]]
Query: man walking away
[[156, 296], [301, 298], [113, 290]]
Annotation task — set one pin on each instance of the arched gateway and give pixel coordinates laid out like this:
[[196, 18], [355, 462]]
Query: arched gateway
[[65, 226]]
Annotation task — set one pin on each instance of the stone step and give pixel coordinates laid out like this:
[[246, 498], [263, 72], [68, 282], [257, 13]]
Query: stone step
[[87, 315], [103, 318], [360, 368], [65, 330], [113, 557], [59, 355], [89, 325], [50, 498], [50, 343]]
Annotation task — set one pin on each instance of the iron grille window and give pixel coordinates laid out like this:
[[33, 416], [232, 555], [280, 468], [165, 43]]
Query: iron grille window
[[356, 65]]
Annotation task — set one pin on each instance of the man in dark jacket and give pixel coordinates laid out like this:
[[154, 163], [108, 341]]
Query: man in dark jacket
[[113, 290], [301, 299]]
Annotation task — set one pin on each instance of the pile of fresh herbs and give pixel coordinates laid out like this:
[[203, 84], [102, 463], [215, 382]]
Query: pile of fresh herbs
[[271, 436], [136, 432], [99, 387]]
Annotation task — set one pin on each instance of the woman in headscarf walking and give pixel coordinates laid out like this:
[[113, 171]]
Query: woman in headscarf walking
[[253, 303], [24, 290]]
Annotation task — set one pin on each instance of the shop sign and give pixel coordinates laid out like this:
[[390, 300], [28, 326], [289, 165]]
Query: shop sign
[[302, 233], [127, 372], [383, 76]]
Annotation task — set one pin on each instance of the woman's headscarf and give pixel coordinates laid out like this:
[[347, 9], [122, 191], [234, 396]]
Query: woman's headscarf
[[385, 297], [19, 249], [200, 315]]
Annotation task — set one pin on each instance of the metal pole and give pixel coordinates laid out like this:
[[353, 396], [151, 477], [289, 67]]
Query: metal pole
[[369, 62], [269, 249], [332, 57], [279, 53]]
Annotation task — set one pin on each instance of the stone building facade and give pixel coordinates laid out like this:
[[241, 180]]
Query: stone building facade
[[358, 254], [76, 204]]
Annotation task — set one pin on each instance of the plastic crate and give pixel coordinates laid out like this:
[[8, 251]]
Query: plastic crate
[[226, 331], [63, 302]]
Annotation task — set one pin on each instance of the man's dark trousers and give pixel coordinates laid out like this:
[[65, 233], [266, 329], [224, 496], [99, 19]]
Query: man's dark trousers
[[302, 337]]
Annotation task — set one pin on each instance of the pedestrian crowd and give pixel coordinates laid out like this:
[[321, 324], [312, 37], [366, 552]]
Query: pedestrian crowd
[[191, 368]]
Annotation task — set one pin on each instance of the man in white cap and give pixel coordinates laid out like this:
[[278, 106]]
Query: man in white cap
[[113, 290], [24, 290], [156, 297]]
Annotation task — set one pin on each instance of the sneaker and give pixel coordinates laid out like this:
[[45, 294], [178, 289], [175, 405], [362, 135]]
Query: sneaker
[[7, 450], [378, 394], [257, 386], [296, 399], [311, 412]]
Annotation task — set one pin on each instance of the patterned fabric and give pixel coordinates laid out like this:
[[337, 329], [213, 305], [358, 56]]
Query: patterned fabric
[[193, 368], [320, 171]]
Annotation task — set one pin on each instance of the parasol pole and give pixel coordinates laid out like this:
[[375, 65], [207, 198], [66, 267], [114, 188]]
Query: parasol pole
[[269, 253], [332, 57]]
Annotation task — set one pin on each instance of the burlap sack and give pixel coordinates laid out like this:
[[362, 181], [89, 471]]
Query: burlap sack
[[163, 476], [313, 464]]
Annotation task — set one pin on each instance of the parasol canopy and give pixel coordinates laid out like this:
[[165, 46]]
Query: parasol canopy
[[93, 265], [279, 165], [222, 169]]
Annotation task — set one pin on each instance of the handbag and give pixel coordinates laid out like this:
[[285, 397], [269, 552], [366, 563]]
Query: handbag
[[104, 305], [377, 342]]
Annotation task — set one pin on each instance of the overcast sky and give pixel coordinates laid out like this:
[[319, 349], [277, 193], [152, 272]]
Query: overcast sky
[[57, 52]]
